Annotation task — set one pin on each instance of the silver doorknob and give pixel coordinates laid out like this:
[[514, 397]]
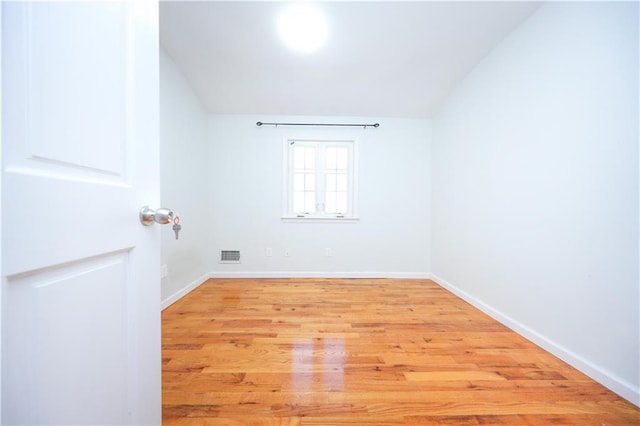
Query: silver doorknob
[[161, 216]]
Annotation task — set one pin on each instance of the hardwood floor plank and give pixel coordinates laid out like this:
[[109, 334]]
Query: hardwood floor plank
[[353, 352], [447, 376]]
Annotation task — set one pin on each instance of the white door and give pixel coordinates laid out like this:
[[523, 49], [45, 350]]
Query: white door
[[80, 290]]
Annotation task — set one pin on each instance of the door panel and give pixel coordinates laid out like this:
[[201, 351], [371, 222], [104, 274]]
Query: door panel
[[70, 125], [45, 304], [81, 302], [75, 121], [40, 206]]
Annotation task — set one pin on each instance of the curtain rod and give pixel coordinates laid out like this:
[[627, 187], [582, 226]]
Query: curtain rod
[[260, 123]]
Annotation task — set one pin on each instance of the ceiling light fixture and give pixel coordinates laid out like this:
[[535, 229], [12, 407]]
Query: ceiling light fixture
[[303, 27]]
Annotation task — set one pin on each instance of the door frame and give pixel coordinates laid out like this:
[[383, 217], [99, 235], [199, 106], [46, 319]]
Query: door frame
[[2, 283]]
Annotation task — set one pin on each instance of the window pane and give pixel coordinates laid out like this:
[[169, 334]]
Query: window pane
[[341, 202], [298, 202], [336, 202], [330, 181], [304, 157], [330, 202], [341, 182], [298, 182], [342, 155], [304, 202], [310, 158], [298, 157], [310, 182], [310, 202], [304, 182], [331, 161]]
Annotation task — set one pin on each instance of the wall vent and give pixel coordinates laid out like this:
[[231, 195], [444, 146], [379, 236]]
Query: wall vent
[[229, 256]]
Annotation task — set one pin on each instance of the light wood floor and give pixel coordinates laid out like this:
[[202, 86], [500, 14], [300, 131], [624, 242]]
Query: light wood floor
[[362, 352]]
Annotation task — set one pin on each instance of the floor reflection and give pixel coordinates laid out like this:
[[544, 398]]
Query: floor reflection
[[320, 369], [302, 366], [333, 361]]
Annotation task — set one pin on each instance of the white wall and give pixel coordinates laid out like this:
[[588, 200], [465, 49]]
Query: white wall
[[184, 166], [245, 191], [535, 187]]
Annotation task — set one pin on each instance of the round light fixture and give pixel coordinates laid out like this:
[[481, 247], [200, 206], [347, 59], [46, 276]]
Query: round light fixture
[[303, 27]]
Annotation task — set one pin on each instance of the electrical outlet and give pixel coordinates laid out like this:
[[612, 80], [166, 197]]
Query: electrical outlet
[[328, 252], [269, 252], [164, 271]]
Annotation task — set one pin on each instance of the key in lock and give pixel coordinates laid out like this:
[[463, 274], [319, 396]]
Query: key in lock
[[176, 225]]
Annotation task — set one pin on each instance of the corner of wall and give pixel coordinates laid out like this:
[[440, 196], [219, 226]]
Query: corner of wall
[[184, 149], [180, 293]]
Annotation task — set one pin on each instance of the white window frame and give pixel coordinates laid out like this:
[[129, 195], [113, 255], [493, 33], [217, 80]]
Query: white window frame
[[288, 180]]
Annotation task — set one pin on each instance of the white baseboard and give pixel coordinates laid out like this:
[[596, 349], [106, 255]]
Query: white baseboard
[[614, 383], [301, 274], [183, 291]]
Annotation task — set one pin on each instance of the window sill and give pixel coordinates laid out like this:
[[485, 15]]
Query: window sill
[[316, 219]]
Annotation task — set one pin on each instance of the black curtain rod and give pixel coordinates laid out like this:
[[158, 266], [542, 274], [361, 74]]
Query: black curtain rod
[[260, 123]]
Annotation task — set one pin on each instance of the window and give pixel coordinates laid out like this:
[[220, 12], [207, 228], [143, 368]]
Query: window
[[320, 179]]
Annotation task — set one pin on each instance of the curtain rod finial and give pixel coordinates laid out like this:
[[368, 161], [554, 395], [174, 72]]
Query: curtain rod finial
[[259, 123]]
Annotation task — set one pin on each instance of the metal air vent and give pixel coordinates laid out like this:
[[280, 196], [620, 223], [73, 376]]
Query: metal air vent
[[229, 256]]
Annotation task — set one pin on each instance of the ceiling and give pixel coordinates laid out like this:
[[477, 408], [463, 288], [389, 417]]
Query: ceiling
[[382, 58]]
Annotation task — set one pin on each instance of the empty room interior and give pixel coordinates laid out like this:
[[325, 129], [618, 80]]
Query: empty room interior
[[320, 212], [493, 160]]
